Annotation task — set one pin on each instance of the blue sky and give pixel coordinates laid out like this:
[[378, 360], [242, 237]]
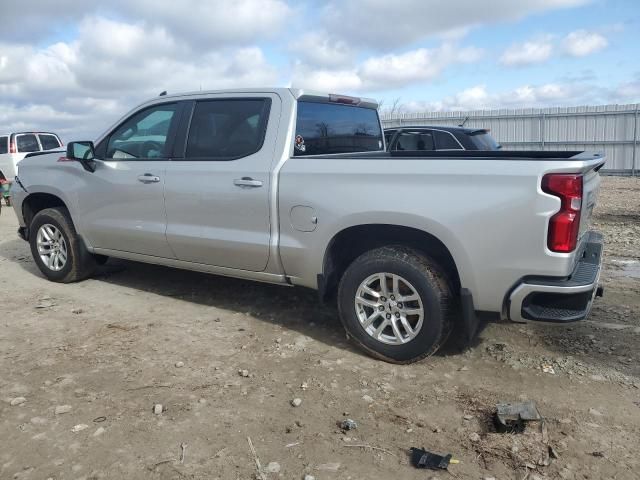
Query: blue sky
[[97, 60]]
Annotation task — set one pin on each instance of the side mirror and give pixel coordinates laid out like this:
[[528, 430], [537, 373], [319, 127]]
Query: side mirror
[[84, 153]]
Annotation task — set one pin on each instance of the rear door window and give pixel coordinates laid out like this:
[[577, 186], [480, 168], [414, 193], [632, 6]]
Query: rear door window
[[4, 145], [49, 142], [446, 141], [419, 141], [227, 129], [27, 142], [326, 128]]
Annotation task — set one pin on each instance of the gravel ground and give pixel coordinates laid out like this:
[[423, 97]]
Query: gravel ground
[[82, 366]]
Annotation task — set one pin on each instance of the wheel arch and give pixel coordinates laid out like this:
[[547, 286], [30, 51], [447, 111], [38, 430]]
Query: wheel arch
[[349, 243], [36, 202]]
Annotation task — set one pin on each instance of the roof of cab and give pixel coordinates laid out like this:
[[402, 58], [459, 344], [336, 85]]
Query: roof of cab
[[297, 93]]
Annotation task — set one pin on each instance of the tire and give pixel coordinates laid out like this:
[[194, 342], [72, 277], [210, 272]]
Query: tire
[[418, 277], [79, 263]]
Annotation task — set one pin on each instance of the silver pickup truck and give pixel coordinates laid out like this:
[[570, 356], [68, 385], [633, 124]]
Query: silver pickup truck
[[295, 187]]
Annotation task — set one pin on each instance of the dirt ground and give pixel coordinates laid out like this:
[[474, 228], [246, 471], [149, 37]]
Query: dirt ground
[[227, 357]]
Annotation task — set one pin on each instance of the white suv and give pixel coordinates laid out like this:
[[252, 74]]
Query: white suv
[[14, 147]]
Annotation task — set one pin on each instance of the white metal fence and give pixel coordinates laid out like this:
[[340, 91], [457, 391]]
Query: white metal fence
[[609, 129]]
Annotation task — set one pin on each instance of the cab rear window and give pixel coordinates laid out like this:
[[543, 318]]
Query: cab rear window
[[4, 145], [327, 128], [27, 143]]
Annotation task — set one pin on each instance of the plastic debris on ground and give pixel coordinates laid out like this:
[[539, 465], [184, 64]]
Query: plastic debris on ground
[[512, 417], [420, 458]]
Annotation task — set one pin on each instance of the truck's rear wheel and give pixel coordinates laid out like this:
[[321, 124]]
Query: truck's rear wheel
[[56, 247], [395, 303]]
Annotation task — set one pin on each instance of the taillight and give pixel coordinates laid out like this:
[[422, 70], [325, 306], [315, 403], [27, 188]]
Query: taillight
[[564, 225]]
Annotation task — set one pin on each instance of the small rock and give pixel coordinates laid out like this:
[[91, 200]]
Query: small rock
[[17, 401], [474, 437], [272, 467], [348, 424], [77, 311], [488, 478], [304, 385], [61, 409], [99, 431], [158, 409], [79, 427], [463, 368], [296, 402], [594, 412], [368, 399], [179, 364], [243, 373], [309, 477], [468, 417], [436, 430]]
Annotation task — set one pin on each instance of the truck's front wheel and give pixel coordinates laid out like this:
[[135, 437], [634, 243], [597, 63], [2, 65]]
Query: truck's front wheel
[[395, 303], [56, 247]]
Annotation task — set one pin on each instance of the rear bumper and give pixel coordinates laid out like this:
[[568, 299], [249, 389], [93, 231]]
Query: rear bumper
[[560, 300]]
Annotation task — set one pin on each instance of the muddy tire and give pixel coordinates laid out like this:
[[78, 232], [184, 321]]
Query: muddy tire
[[57, 249], [396, 304]]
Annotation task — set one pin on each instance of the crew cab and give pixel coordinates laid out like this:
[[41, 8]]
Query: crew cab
[[439, 138], [295, 187]]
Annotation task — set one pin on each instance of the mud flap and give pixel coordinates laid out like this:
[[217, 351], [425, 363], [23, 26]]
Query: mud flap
[[470, 320]]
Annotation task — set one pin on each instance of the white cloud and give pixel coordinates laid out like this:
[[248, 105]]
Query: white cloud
[[525, 96], [528, 53], [320, 49], [388, 24], [387, 71], [200, 23], [582, 43], [80, 79], [418, 65]]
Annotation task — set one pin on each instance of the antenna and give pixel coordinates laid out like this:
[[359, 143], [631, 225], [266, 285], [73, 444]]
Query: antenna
[[163, 93], [464, 121]]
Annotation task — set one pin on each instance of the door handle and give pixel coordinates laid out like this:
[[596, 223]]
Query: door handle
[[247, 182], [148, 178]]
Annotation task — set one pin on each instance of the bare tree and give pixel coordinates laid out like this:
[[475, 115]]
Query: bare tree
[[395, 107]]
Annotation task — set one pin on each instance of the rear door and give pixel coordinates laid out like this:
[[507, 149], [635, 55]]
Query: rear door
[[122, 202], [218, 183]]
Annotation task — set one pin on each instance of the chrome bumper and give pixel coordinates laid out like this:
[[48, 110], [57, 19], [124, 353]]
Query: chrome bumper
[[560, 300]]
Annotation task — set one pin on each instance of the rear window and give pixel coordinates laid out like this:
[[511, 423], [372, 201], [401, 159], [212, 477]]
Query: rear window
[[49, 142], [4, 145], [27, 143], [325, 128], [446, 141], [483, 141]]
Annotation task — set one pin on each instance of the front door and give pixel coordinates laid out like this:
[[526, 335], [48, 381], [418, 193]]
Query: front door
[[217, 185], [122, 202]]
